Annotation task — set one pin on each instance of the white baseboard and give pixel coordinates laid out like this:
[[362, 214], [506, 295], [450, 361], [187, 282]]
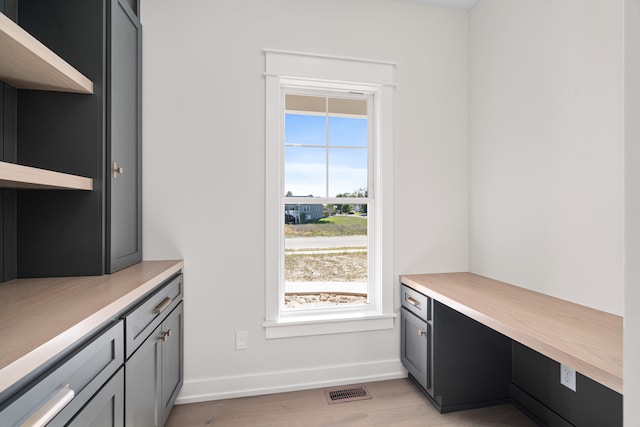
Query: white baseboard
[[292, 380]]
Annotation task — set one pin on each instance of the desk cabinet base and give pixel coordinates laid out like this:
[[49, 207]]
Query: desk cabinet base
[[459, 363], [536, 389]]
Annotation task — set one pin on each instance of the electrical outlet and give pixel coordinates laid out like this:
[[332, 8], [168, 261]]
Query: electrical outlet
[[241, 340], [568, 377]]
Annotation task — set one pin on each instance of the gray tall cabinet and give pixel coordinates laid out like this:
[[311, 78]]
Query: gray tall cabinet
[[75, 233]]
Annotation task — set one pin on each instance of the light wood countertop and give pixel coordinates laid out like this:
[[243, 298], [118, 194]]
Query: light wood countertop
[[40, 318], [588, 340]]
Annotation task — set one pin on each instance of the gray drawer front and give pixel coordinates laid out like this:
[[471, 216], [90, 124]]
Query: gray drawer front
[[140, 322], [85, 371], [416, 303]]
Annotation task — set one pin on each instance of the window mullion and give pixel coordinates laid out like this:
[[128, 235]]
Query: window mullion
[[326, 138]]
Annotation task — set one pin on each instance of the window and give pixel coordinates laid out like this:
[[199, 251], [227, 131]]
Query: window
[[328, 145], [327, 141]]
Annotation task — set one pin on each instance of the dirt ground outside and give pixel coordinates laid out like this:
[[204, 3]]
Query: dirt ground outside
[[338, 266]]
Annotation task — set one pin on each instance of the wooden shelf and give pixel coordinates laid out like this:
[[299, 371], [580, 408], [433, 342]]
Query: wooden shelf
[[28, 64], [25, 177]]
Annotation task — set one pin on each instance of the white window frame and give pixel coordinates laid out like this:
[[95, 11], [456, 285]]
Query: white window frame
[[286, 69]]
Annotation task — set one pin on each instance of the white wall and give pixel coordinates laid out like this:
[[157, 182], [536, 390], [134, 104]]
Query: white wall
[[203, 171], [632, 218], [547, 147]]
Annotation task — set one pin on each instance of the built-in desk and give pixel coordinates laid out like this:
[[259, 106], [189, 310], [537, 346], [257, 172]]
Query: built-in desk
[[582, 338]]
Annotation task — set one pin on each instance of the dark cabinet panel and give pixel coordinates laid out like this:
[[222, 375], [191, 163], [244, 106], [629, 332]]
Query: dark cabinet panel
[[8, 245], [92, 232], [8, 248], [471, 362], [536, 387]]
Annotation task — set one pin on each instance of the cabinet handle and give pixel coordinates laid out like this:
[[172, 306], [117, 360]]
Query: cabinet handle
[[413, 302], [420, 332], [160, 307], [165, 335], [50, 409], [117, 170]]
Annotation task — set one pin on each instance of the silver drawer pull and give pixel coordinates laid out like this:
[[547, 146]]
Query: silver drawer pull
[[420, 332], [165, 335], [413, 302], [160, 307], [50, 409]]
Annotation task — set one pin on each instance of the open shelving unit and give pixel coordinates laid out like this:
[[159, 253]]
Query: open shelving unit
[[28, 64]]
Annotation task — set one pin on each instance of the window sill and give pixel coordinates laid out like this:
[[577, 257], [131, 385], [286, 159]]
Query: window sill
[[323, 325]]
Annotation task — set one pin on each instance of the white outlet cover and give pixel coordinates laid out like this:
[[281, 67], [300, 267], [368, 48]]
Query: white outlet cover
[[241, 340], [568, 377]]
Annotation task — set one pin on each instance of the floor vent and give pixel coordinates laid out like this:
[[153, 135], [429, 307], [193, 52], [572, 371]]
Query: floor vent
[[342, 395]]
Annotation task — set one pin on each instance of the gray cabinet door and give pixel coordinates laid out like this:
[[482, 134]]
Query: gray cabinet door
[[124, 134], [154, 373], [106, 408], [142, 385], [415, 344], [172, 360]]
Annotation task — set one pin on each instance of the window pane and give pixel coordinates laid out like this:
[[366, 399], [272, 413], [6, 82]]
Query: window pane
[[326, 260], [348, 132], [305, 129], [305, 171], [347, 171]]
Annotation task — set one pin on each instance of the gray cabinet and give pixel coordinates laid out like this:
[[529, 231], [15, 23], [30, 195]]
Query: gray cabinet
[[416, 337], [154, 370], [456, 361], [126, 372], [143, 383], [64, 391], [415, 353], [96, 136], [172, 361], [124, 135]]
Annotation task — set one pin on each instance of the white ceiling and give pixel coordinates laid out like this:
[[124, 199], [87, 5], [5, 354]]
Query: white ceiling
[[457, 4]]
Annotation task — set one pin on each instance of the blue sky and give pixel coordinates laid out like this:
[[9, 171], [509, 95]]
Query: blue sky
[[306, 167]]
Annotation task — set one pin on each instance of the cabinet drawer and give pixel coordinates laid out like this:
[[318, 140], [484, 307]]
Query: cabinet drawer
[[416, 303], [65, 388], [140, 322]]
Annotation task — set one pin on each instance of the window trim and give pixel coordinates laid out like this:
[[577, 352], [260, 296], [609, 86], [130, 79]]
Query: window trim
[[311, 70]]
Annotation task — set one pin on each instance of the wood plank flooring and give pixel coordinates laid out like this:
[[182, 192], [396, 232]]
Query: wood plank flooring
[[393, 403]]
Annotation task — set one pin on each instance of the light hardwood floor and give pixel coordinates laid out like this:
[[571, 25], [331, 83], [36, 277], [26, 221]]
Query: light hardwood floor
[[393, 403]]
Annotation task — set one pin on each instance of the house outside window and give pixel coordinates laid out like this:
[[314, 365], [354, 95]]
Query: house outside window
[[327, 137]]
